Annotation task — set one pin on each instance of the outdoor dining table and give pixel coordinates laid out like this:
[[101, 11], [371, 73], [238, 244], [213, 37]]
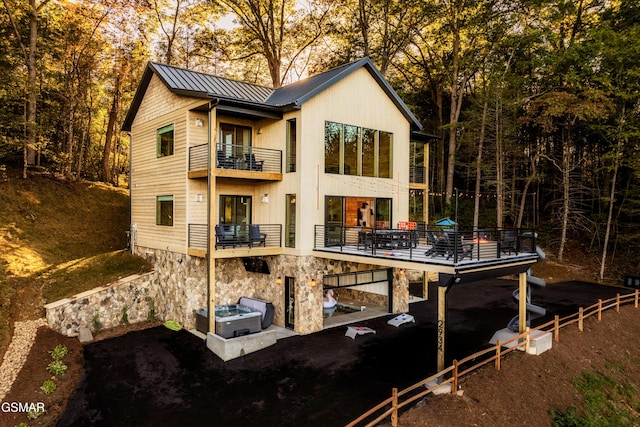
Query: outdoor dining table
[[394, 239]]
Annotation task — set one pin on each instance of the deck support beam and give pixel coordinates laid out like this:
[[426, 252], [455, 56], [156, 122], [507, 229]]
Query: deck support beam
[[522, 305], [445, 282]]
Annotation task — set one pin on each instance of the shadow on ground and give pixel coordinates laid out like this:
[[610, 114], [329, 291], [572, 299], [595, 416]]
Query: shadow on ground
[[165, 378]]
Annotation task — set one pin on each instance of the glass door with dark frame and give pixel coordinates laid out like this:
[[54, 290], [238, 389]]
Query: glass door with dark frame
[[289, 302], [235, 215]]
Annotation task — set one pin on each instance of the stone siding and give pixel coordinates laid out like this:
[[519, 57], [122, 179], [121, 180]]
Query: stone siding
[[181, 287], [178, 286]]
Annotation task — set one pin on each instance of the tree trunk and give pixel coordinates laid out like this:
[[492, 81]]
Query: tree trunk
[[566, 187], [499, 167], [113, 118], [612, 196], [476, 201], [525, 191]]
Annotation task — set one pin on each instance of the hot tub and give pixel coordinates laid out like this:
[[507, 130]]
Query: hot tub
[[237, 320]]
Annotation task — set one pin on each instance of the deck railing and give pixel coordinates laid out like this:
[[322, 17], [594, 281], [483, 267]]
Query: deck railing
[[248, 158], [236, 236], [236, 157], [417, 175], [198, 157], [399, 399], [198, 236], [423, 244]]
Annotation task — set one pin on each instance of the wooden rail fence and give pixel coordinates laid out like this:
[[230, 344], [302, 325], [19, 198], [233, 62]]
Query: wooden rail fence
[[402, 398]]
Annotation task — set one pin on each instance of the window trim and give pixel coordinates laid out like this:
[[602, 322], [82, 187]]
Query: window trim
[[159, 211], [161, 131]]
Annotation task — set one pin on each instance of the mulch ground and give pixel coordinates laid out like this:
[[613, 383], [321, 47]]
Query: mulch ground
[[160, 377]]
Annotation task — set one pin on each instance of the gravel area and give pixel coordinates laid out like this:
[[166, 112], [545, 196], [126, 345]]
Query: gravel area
[[24, 335]]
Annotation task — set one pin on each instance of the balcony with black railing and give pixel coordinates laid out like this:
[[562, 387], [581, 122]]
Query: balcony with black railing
[[235, 236], [429, 246], [236, 161]]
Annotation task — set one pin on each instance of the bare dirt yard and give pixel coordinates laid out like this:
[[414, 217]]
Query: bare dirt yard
[[528, 388]]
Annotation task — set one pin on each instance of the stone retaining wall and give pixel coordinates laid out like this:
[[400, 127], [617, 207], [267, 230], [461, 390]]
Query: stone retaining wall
[[104, 307]]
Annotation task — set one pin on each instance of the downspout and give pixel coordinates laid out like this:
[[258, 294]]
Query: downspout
[[132, 229]]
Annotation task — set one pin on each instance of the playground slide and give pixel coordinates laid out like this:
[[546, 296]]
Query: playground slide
[[533, 311]]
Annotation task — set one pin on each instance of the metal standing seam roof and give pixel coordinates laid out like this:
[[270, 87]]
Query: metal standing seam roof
[[207, 86], [179, 79]]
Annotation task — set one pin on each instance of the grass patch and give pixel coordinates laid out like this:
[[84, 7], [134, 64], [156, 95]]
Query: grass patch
[[58, 238], [84, 274], [607, 401]]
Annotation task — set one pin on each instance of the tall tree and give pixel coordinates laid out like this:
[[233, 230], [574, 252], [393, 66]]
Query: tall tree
[[29, 53], [279, 31]]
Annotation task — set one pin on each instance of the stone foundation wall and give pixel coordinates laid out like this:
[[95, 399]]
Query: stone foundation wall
[[178, 287], [181, 287]]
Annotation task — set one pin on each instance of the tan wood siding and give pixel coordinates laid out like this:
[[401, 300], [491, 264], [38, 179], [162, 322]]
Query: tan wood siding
[[153, 176]]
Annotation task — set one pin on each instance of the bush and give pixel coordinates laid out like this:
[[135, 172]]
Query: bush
[[48, 386], [59, 352], [57, 367]]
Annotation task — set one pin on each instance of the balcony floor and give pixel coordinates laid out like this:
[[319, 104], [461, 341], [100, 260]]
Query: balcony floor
[[484, 256]]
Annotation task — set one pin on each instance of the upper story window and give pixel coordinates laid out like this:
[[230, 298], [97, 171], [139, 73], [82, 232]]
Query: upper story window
[[164, 137], [352, 150], [292, 148], [164, 210]]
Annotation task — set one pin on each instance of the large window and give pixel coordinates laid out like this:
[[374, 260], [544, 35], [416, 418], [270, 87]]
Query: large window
[[351, 150], [368, 152], [290, 228], [385, 154], [164, 210], [291, 145], [164, 140], [332, 147]]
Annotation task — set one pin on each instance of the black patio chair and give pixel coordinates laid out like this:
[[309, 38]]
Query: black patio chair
[[438, 245], [365, 238], [457, 247], [252, 163], [509, 241], [223, 161], [255, 236], [225, 237]]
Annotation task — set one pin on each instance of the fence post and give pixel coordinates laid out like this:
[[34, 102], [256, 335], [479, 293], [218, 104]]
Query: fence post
[[580, 319], [556, 328], [636, 299], [599, 310], [394, 405], [498, 354], [618, 303], [454, 382]]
